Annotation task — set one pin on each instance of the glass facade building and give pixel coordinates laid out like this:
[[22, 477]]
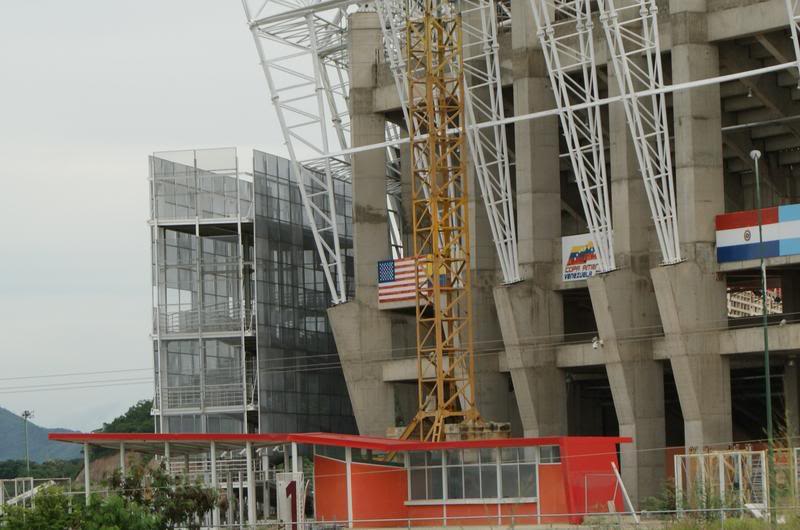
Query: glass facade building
[[241, 341]]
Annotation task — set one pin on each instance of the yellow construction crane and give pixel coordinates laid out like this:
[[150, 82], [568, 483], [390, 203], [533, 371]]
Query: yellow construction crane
[[446, 389]]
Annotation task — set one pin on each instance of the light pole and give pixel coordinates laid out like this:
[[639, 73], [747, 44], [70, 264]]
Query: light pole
[[755, 154], [27, 415]]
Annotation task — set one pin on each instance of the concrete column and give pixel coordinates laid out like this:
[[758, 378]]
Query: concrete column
[[625, 307], [363, 334], [486, 274], [530, 312], [122, 458], [691, 297]]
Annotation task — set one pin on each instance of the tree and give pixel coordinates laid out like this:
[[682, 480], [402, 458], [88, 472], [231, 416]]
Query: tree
[[136, 419], [178, 501], [141, 499]]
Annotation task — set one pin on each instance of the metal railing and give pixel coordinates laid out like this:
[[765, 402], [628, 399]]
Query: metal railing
[[209, 319]]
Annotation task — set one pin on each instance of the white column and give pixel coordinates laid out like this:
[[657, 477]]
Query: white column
[[86, 481], [251, 486], [214, 483], [265, 468], [166, 457], [348, 459], [122, 458], [295, 469]]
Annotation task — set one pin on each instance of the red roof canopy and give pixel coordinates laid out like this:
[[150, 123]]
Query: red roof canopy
[[195, 442]]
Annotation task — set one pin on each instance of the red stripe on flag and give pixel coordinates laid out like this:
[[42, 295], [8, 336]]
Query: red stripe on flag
[[729, 221]]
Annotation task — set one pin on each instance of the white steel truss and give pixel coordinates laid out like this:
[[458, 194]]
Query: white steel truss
[[394, 191], [632, 36], [483, 98], [302, 47], [564, 28], [793, 10], [483, 104], [303, 53]]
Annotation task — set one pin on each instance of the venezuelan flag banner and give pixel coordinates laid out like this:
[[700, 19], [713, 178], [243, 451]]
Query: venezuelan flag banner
[[737, 234]]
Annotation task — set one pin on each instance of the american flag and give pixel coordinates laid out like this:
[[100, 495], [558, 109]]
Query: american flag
[[398, 280]]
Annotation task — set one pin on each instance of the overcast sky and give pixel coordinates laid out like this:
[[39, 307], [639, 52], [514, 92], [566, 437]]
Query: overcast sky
[[89, 88]]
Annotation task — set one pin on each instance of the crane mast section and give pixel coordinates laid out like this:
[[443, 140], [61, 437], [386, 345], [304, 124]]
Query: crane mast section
[[446, 389]]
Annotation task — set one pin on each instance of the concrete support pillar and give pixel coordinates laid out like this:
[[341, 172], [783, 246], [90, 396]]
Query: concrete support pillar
[[362, 333], [625, 307], [692, 305], [87, 482], [691, 297], [530, 312], [122, 458]]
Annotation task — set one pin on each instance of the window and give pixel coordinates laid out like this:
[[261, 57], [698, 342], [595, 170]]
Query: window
[[472, 474], [425, 475], [518, 472], [550, 454]]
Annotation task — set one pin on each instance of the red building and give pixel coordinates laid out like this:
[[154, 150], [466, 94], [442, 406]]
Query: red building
[[362, 481]]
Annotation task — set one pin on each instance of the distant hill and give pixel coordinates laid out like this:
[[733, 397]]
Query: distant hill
[[12, 441]]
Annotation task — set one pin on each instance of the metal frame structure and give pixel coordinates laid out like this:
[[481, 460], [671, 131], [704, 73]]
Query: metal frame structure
[[483, 102], [565, 33], [446, 379], [303, 52], [632, 35], [729, 479]]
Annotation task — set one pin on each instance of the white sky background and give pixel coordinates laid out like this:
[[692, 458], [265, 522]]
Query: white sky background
[[88, 89]]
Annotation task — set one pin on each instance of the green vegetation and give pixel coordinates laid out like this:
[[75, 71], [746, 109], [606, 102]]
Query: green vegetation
[[136, 419], [142, 499], [51, 469]]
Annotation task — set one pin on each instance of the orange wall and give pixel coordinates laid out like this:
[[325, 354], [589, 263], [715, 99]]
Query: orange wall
[[330, 487], [379, 492], [553, 493]]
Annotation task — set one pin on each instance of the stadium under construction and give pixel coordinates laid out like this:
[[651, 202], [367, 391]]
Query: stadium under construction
[[538, 213]]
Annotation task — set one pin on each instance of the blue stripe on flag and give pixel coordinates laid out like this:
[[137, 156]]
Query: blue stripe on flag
[[790, 212], [748, 251], [789, 247]]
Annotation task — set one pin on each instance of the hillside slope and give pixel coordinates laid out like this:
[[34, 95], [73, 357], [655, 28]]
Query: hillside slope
[[12, 441]]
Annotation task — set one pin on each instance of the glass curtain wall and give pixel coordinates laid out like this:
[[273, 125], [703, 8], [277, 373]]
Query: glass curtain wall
[[302, 385]]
